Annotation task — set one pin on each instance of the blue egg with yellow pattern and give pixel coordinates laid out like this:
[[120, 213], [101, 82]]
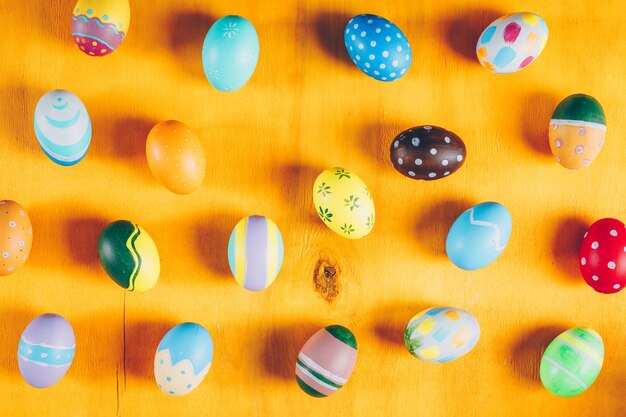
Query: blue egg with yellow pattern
[[478, 236], [255, 252], [378, 47], [183, 358], [62, 127], [46, 350], [441, 334], [230, 53]]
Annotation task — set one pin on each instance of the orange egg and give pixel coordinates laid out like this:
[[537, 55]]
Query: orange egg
[[16, 236], [176, 156]]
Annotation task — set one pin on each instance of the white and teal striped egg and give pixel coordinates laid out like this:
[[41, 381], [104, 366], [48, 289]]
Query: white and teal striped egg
[[63, 127]]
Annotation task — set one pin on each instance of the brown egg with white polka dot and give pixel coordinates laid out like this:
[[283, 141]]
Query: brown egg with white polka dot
[[176, 156], [16, 236], [427, 153]]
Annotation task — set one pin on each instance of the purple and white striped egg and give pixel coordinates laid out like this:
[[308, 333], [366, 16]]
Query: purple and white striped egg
[[46, 350], [255, 252]]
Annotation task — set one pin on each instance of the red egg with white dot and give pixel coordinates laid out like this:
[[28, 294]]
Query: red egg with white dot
[[602, 256]]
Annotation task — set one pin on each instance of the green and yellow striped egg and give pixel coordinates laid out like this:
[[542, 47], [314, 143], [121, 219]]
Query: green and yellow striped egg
[[572, 362], [130, 257]]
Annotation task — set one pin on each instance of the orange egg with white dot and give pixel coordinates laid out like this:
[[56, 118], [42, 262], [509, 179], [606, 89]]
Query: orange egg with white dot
[[16, 236], [176, 156]]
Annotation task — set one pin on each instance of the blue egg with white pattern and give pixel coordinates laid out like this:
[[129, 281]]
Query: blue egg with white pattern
[[230, 53], [46, 350], [478, 236], [377, 47], [183, 358], [63, 127]]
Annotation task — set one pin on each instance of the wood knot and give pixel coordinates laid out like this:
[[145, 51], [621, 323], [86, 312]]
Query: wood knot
[[326, 279]]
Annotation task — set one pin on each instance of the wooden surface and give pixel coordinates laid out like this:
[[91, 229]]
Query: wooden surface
[[307, 108]]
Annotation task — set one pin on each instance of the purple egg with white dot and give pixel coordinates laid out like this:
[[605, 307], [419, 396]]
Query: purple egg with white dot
[[46, 350], [378, 47], [427, 153]]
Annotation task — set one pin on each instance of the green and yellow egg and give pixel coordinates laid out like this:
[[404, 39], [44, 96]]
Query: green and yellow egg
[[129, 256]]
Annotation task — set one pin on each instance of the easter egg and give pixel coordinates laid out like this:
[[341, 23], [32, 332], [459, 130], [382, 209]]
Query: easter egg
[[46, 350], [100, 26], [16, 236], [230, 53], [62, 127], [343, 203], [176, 156], [377, 47], [326, 361], [441, 334], [577, 131], [427, 153], [572, 362], [129, 256], [602, 256], [183, 358], [255, 252], [512, 42], [478, 236]]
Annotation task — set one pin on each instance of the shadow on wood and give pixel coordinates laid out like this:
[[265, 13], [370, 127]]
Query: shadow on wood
[[212, 236], [19, 130], [141, 341], [99, 346], [81, 235], [535, 117], [376, 140], [329, 28], [566, 242], [188, 31], [296, 182], [431, 228], [525, 355], [281, 347], [14, 321], [392, 320], [129, 138], [462, 31]]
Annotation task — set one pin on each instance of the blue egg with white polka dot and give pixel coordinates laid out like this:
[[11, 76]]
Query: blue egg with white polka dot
[[378, 47], [183, 358]]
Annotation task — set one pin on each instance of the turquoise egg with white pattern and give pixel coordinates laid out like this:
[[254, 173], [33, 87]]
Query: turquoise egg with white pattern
[[377, 47], [230, 53], [183, 358], [479, 235], [63, 127]]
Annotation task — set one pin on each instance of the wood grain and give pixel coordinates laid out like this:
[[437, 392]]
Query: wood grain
[[305, 109]]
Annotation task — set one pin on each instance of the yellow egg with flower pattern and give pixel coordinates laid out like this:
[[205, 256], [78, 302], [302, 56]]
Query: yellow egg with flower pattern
[[343, 202]]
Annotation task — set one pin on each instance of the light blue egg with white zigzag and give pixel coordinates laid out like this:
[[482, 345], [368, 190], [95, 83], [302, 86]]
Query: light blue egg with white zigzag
[[63, 127], [479, 235]]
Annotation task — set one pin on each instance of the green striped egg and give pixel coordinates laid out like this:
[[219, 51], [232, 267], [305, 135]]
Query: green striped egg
[[129, 256], [572, 362]]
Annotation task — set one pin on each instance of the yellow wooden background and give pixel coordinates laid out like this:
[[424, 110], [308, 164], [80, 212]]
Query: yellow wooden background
[[307, 108]]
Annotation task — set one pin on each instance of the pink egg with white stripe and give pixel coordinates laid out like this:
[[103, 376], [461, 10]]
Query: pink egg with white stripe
[[326, 361]]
